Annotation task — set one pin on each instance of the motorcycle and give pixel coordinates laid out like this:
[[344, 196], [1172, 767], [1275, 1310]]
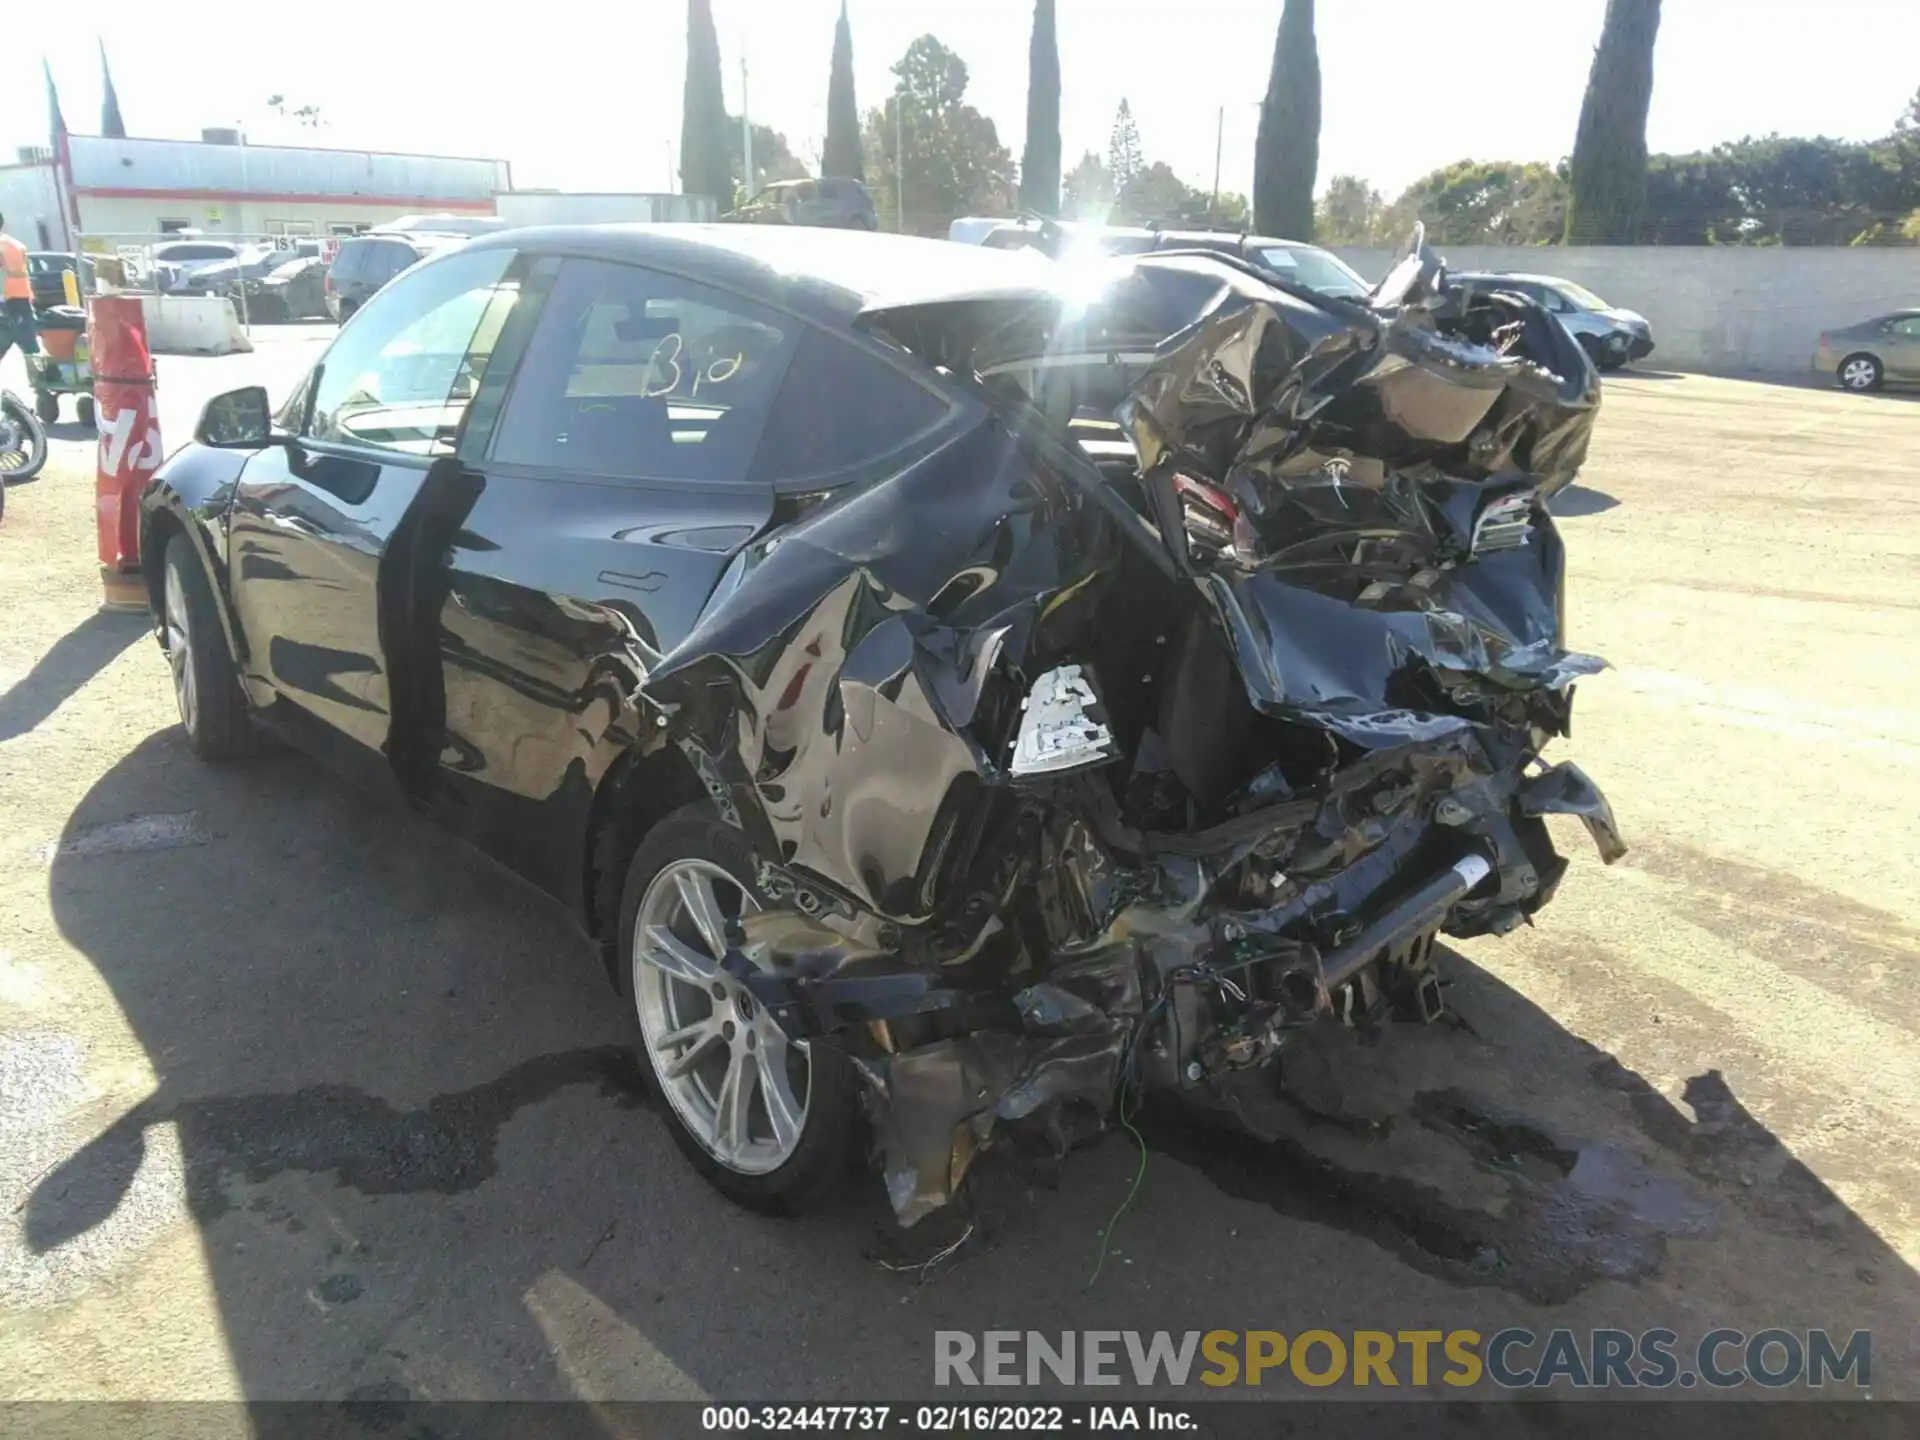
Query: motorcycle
[[23, 443]]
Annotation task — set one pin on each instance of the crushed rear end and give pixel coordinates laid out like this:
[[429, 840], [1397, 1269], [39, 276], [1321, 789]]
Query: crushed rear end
[[1213, 695]]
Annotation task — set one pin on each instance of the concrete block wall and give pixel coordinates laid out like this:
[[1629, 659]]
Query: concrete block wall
[[1721, 308]]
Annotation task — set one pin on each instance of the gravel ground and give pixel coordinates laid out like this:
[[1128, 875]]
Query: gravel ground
[[298, 1099]]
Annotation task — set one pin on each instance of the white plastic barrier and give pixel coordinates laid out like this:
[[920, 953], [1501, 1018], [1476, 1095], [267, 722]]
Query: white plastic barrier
[[193, 325]]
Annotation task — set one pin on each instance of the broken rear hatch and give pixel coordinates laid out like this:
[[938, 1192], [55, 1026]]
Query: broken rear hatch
[[1178, 703]]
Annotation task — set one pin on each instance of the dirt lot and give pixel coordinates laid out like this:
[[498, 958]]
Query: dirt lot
[[299, 1099]]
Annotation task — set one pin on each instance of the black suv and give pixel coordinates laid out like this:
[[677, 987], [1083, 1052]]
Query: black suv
[[366, 262], [835, 202]]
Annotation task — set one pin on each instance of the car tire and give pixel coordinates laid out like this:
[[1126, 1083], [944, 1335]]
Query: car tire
[[46, 405], [83, 411], [206, 686], [1860, 373], [767, 1173], [1610, 360]]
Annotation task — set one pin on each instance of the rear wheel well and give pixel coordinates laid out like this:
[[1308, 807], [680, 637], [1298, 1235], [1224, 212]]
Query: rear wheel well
[[161, 527], [638, 792]]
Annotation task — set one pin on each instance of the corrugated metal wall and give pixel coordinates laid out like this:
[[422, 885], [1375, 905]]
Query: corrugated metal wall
[[29, 201], [191, 166]]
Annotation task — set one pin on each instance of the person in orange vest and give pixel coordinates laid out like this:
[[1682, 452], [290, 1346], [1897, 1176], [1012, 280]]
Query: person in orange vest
[[16, 296]]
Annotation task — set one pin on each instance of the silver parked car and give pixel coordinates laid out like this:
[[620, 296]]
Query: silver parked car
[[1610, 335], [1867, 355]]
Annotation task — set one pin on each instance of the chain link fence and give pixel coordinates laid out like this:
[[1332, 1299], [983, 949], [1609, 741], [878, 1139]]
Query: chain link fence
[[268, 277]]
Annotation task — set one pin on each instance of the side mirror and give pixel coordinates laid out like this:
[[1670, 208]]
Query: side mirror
[[238, 420]]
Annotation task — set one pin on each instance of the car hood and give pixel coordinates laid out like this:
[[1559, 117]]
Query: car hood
[[1632, 318]]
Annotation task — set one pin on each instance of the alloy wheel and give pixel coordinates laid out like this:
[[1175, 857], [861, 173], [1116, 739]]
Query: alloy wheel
[[179, 638], [733, 1078]]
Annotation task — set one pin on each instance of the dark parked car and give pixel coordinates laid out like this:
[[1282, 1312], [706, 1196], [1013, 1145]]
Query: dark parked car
[[45, 269], [941, 692], [366, 262], [1872, 353], [255, 263], [295, 290], [832, 202]]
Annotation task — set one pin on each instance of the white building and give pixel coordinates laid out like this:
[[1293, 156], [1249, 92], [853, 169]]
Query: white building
[[139, 188]]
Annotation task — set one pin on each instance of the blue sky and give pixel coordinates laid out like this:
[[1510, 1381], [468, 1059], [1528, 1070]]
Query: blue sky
[[587, 96]]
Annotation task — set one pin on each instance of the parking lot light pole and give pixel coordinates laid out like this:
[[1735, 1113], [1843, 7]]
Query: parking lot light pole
[[240, 214], [746, 130]]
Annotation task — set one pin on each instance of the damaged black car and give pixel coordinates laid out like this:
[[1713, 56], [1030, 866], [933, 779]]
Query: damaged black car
[[957, 693]]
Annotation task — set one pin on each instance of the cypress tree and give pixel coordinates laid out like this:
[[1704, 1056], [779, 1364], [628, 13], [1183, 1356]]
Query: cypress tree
[[1040, 165], [704, 169], [110, 121], [1608, 177], [1287, 156], [841, 156]]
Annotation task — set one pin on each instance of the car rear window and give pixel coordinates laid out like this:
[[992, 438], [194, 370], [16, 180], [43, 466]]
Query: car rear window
[[838, 409], [631, 374], [1316, 269], [387, 258], [191, 251]]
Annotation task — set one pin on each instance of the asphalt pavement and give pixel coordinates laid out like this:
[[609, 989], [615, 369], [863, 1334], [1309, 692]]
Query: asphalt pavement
[[299, 1099]]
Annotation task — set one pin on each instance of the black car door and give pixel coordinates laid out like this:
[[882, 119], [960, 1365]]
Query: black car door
[[580, 540], [312, 519], [642, 443]]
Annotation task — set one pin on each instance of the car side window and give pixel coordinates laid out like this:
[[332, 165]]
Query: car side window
[[838, 409], [1908, 329], [631, 374], [404, 368], [393, 257]]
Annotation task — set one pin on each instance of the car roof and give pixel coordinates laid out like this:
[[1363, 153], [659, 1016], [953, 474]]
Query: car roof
[[1508, 275], [1209, 237], [828, 276]]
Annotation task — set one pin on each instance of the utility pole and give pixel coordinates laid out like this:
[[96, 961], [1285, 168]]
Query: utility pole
[[746, 128], [1219, 130], [239, 223], [900, 161]]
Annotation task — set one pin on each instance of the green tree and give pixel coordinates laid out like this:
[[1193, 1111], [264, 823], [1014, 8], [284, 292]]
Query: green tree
[[1089, 190], [1472, 202], [842, 153], [703, 112], [1609, 172], [1040, 164], [1124, 160], [1157, 195], [1287, 154], [947, 153], [773, 160], [1348, 213], [1691, 200], [1230, 210]]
